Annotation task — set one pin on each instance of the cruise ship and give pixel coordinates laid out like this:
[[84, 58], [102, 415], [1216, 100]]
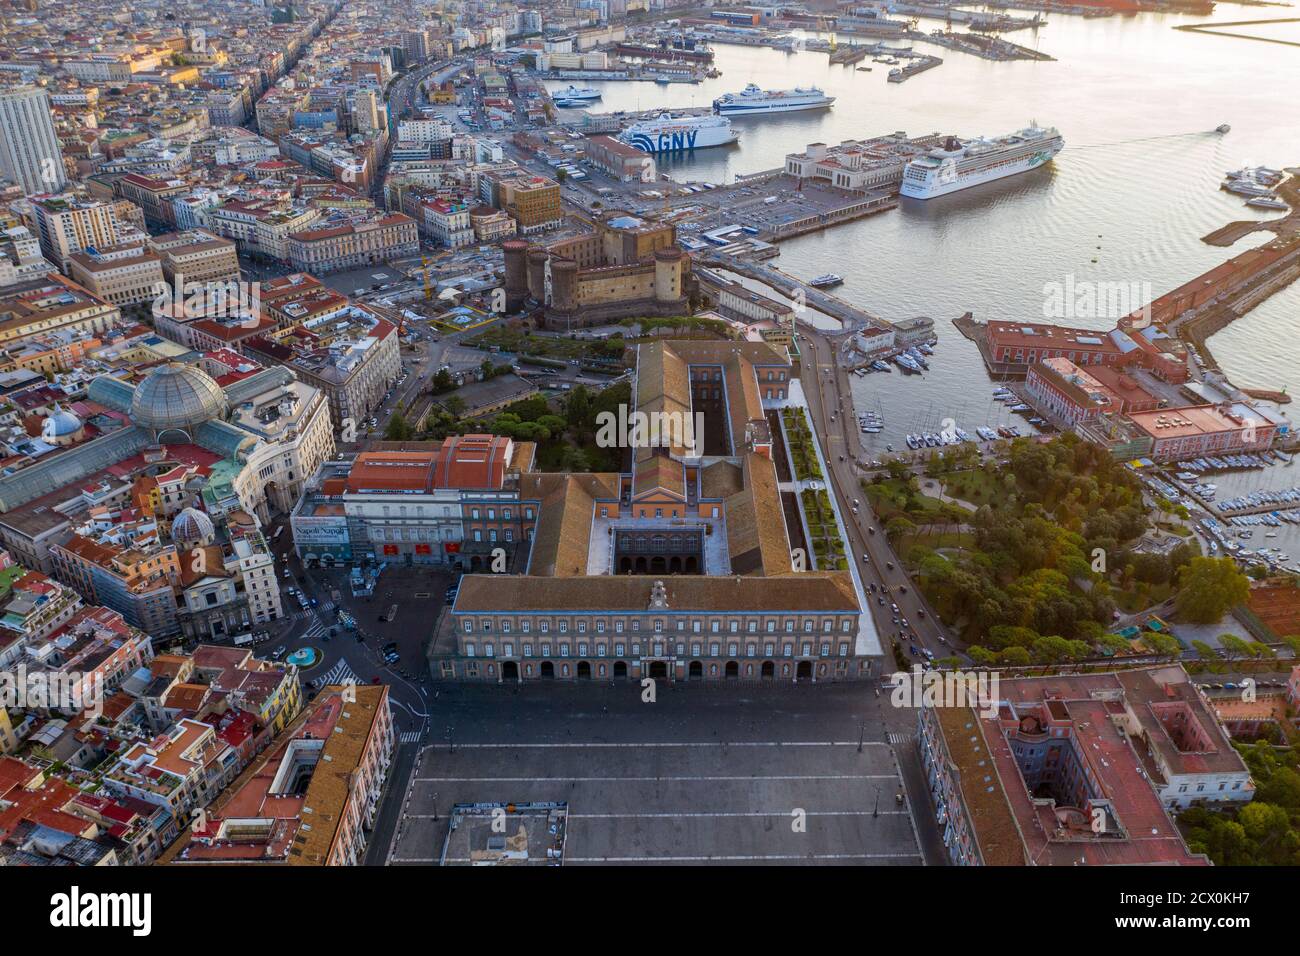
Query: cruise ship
[[960, 164], [668, 134], [572, 92], [753, 101]]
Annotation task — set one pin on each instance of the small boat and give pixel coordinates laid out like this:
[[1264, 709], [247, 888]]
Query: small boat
[[1223, 128], [864, 69], [1266, 202], [1246, 187]]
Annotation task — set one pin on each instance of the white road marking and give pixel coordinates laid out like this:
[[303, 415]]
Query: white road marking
[[563, 779], [737, 813], [699, 743]]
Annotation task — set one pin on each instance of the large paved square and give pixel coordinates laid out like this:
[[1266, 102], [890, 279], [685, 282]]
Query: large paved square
[[704, 775]]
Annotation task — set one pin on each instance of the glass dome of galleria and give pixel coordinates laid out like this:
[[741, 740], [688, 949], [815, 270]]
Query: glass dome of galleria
[[177, 396]]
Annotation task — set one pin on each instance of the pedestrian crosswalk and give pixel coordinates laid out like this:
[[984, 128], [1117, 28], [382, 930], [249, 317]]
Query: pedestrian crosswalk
[[410, 737], [340, 673], [316, 631], [303, 613], [897, 739]]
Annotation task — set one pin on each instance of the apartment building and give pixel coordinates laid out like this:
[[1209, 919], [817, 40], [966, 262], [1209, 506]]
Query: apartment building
[[69, 223], [334, 247], [447, 223], [51, 304], [196, 255], [534, 202], [126, 275], [311, 799], [351, 354]]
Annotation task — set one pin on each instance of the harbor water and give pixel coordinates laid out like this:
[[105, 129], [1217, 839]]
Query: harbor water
[[1126, 201]]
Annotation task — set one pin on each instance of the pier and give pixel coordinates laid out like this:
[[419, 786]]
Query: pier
[[848, 55], [1216, 29], [850, 316], [902, 73], [976, 44]]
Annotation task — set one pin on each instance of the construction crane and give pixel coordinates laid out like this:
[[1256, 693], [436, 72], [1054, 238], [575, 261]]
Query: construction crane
[[428, 286]]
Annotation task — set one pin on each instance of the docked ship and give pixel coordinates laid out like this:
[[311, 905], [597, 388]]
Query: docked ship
[[576, 93], [752, 101], [959, 164], [826, 281], [668, 134]]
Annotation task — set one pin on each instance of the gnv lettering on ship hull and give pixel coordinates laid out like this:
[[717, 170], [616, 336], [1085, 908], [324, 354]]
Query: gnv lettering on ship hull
[[667, 142]]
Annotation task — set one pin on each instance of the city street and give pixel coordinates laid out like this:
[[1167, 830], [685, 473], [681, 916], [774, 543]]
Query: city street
[[825, 383], [418, 594]]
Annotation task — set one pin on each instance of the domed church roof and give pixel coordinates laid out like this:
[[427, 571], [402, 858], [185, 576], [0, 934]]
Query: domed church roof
[[61, 423], [177, 396], [192, 527]]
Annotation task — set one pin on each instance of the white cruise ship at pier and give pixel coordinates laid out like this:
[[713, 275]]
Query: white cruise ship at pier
[[960, 164], [753, 101]]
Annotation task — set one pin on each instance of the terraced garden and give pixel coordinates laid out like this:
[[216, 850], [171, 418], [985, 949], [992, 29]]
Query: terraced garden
[[802, 452]]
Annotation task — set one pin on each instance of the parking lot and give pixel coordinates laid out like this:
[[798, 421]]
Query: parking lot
[[702, 775]]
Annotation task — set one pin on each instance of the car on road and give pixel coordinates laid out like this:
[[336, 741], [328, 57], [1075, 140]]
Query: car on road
[[893, 607], [866, 558], [902, 589], [889, 565], [880, 601], [920, 612], [278, 653]]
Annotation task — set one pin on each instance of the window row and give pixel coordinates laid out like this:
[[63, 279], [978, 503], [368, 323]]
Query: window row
[[619, 649]]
